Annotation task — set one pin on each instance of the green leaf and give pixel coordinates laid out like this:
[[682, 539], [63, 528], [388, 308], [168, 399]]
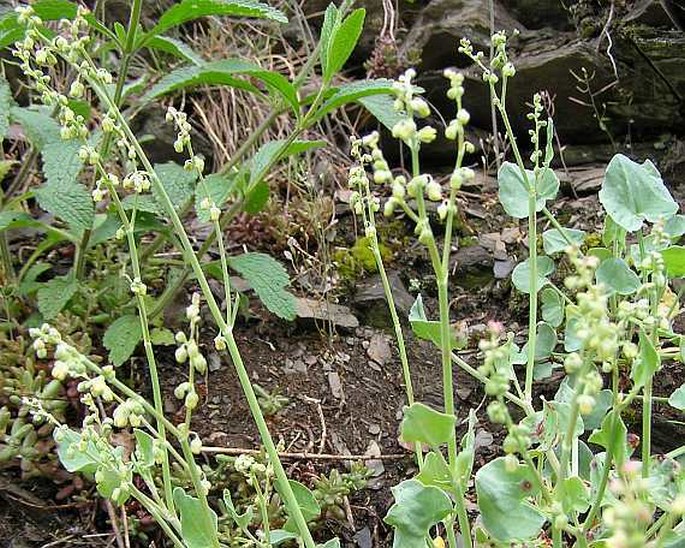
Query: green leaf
[[677, 398], [273, 151], [675, 226], [108, 479], [257, 198], [198, 525], [145, 448], [552, 307], [217, 188], [71, 203], [546, 341], [174, 47], [613, 436], [553, 240], [17, 219], [674, 259], [502, 500], [243, 520], [187, 10], [362, 91], [269, 279], [333, 543], [633, 193], [426, 329], [647, 363], [279, 536], [613, 233], [54, 295], [61, 162], [225, 72], [161, 336], [306, 501], [383, 109], [29, 283], [122, 338], [520, 277], [331, 20], [342, 42], [435, 472], [427, 426], [178, 183], [514, 191], [71, 457], [5, 103], [603, 401], [417, 508], [574, 495], [616, 275]]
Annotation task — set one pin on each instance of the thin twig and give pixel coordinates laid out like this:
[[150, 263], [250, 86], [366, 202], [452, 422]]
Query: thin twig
[[303, 456]]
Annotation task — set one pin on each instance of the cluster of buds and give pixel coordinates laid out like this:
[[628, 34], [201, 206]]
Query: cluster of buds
[[536, 117], [496, 361], [499, 64], [180, 119], [97, 387], [630, 516], [251, 469], [138, 287], [129, 412], [137, 181], [103, 186], [189, 351], [411, 106], [518, 440]]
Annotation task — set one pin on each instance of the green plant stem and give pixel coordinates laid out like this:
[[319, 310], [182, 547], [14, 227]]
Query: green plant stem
[[647, 426], [284, 486], [154, 509], [147, 344], [556, 537]]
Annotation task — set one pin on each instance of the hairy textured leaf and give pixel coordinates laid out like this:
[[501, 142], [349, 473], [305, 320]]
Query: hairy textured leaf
[[356, 91], [187, 10], [514, 191], [520, 277], [416, 509], [122, 337], [343, 41], [425, 425], [61, 162], [616, 275], [225, 72], [54, 295], [502, 495], [269, 279], [174, 47], [633, 193], [71, 203], [198, 528], [553, 240]]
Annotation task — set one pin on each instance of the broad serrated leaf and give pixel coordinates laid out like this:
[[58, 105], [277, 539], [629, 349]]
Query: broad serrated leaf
[[199, 525], [616, 275], [343, 41], [632, 193], [174, 47], [54, 295], [417, 508], [122, 338], [553, 240], [269, 279], [502, 500], [71, 203], [187, 10], [514, 189], [421, 424], [178, 183], [61, 162], [520, 277]]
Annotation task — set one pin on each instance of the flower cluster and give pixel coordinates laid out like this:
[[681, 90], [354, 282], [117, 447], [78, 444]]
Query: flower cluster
[[188, 350]]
